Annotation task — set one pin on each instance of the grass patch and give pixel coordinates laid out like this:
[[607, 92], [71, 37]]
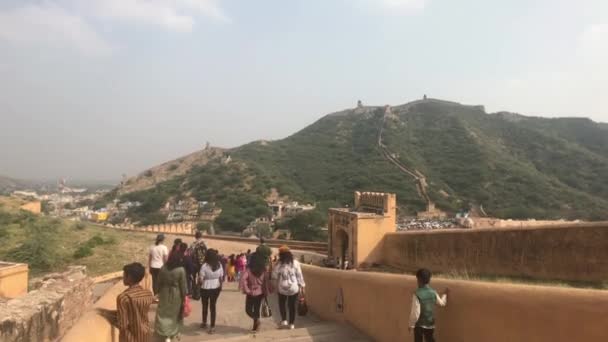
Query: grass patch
[[50, 245]]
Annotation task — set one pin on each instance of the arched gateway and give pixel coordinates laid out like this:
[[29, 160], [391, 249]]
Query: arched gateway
[[355, 235]]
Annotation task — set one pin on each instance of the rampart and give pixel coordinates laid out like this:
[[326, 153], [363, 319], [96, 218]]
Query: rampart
[[378, 304], [175, 228], [93, 320], [483, 222], [568, 252], [47, 311]]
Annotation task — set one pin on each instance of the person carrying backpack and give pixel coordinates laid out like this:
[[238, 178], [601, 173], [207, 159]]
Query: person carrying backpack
[[290, 284], [197, 251]]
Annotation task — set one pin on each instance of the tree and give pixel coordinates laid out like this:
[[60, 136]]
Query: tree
[[203, 226], [263, 229], [305, 226]]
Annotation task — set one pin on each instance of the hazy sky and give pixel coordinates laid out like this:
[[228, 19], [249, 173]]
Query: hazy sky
[[96, 88]]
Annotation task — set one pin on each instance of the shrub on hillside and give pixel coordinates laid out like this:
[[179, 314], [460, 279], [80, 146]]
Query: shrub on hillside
[[83, 251], [40, 250], [79, 226], [95, 241]]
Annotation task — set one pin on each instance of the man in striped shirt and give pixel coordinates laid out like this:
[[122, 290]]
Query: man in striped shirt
[[132, 306]]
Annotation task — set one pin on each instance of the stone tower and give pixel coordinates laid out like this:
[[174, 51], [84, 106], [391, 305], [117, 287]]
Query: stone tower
[[356, 234]]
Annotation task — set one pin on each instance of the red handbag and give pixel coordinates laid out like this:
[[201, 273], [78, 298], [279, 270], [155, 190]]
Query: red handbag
[[186, 308]]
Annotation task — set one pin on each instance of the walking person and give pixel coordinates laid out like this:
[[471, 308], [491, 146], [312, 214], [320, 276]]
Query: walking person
[[264, 251], [176, 244], [422, 314], [231, 268], [132, 306], [197, 251], [224, 262], [255, 283], [290, 285], [171, 293], [157, 257], [190, 267], [211, 277], [240, 266]]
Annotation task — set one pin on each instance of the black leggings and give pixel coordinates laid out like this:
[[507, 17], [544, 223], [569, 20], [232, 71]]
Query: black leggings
[[154, 272], [252, 306], [291, 303], [210, 297], [427, 334]]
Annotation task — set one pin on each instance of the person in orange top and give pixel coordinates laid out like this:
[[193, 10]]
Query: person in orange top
[[132, 306]]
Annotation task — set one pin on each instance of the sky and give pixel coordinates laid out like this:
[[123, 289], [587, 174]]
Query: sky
[[93, 89]]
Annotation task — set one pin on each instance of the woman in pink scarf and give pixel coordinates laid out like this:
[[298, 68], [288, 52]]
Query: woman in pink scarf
[[255, 283], [240, 266]]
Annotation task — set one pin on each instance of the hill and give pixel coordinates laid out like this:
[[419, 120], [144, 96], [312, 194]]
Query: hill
[[50, 245], [453, 155], [9, 184]]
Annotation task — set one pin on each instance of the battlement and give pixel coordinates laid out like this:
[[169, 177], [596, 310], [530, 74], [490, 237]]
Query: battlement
[[380, 203]]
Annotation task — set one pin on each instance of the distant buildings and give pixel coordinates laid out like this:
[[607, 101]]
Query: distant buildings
[[281, 209]]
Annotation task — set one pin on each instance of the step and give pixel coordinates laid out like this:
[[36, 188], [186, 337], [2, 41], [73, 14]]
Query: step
[[318, 333]]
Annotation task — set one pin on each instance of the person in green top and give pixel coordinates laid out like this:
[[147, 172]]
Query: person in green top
[[172, 289], [422, 314], [264, 251]]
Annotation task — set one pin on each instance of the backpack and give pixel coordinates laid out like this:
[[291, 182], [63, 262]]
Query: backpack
[[198, 253]]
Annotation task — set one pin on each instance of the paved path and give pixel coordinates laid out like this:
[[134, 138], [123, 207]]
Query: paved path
[[233, 324]]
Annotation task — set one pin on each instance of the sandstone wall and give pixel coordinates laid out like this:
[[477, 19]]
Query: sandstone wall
[[48, 311], [13, 280], [484, 222], [378, 304], [573, 253]]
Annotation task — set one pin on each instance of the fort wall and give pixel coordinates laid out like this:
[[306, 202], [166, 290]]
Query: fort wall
[[13, 279], [378, 304], [49, 310], [483, 222], [94, 321], [566, 252]]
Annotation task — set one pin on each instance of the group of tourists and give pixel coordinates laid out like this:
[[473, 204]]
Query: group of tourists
[[187, 273], [195, 271]]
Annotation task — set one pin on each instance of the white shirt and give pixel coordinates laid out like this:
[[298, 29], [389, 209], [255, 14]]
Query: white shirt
[[289, 278], [209, 278], [158, 255], [415, 312]]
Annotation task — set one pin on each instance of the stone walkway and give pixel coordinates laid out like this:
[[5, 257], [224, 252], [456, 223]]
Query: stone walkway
[[234, 325]]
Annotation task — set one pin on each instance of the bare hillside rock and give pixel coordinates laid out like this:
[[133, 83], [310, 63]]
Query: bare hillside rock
[[169, 170]]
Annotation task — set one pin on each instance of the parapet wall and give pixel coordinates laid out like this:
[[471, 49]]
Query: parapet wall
[[378, 304], [483, 222], [48, 311], [13, 280], [170, 228], [571, 253]]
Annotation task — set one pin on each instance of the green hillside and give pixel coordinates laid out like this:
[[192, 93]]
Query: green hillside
[[514, 166]]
